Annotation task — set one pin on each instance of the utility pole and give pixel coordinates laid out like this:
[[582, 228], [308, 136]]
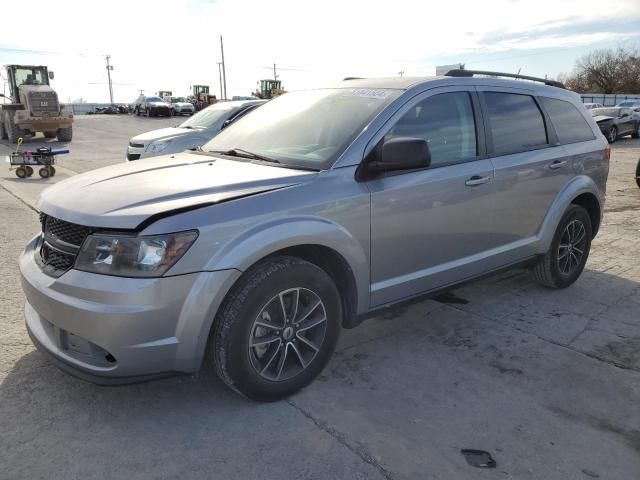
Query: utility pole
[[109, 68], [401, 73], [224, 71], [275, 75], [220, 75]]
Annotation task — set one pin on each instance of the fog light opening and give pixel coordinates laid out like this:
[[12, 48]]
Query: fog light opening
[[110, 358]]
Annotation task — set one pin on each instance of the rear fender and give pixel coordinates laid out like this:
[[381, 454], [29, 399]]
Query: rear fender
[[577, 186]]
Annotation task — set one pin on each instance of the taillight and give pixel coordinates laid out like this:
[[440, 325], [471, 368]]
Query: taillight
[[607, 153]]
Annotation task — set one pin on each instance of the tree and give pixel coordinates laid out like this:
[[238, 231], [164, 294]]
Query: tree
[[606, 71]]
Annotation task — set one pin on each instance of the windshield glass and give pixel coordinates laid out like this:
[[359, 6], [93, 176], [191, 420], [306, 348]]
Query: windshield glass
[[154, 99], [31, 76], [630, 103], [209, 116], [609, 112], [307, 128]]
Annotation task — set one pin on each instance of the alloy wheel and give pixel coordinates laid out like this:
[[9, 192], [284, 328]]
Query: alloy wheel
[[287, 334], [571, 249]]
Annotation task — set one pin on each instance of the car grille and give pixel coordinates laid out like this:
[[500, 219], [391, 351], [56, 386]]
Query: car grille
[[43, 103], [61, 244]]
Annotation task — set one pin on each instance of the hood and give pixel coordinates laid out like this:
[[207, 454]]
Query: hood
[[159, 104], [163, 134], [122, 196], [602, 118]]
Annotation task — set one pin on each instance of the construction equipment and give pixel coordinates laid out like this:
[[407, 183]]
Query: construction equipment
[[269, 89], [33, 106], [164, 93], [201, 98]]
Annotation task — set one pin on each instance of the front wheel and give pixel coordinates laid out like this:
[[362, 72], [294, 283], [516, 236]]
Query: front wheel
[[612, 134], [276, 329], [65, 134], [50, 134], [564, 261]]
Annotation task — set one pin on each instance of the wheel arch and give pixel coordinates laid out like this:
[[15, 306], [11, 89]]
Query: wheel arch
[[581, 190]]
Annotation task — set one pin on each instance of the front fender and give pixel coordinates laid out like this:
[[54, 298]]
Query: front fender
[[264, 239], [577, 186]]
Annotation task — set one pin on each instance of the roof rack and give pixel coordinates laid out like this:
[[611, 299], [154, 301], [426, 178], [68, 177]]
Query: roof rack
[[471, 73]]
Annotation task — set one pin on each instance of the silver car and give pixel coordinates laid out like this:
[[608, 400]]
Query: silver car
[[192, 133], [318, 210]]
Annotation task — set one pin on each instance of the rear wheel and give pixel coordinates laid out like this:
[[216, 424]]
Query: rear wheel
[[612, 134], [65, 134], [29, 171], [21, 172], [636, 131], [276, 329], [567, 256], [44, 172], [51, 134]]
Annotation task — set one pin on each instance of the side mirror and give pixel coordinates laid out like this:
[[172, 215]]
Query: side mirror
[[226, 123], [51, 75], [401, 153]]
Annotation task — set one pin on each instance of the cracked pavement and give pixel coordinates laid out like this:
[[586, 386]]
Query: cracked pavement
[[547, 381]]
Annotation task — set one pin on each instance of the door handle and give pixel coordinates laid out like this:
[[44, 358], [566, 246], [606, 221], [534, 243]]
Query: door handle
[[557, 164], [477, 180]]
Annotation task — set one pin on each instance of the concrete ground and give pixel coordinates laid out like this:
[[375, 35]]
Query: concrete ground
[[547, 381]]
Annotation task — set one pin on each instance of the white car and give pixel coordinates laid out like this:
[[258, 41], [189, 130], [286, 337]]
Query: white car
[[192, 133], [590, 106], [181, 106]]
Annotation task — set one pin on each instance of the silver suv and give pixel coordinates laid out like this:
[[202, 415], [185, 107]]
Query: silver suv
[[319, 209]]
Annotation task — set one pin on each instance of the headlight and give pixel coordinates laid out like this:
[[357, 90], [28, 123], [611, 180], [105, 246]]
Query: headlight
[[155, 147], [125, 256]]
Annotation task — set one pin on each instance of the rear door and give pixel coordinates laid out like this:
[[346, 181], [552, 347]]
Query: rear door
[[430, 227], [530, 166]]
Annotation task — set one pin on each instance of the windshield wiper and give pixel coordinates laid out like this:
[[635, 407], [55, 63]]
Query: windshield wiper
[[239, 152]]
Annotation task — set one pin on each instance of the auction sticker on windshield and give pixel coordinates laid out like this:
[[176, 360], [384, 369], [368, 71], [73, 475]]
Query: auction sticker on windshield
[[368, 93]]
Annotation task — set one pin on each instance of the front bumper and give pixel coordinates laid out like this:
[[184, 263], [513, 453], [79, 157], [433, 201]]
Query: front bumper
[[113, 330]]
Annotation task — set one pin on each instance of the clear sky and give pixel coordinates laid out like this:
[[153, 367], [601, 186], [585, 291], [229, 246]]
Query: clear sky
[[160, 45]]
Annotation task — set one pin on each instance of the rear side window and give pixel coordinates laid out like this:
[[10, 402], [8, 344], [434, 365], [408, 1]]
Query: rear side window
[[570, 125], [516, 122], [446, 122]]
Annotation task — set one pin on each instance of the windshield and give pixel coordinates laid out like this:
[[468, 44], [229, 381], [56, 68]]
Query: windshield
[[630, 103], [209, 116], [31, 76], [308, 129], [608, 112], [154, 99]]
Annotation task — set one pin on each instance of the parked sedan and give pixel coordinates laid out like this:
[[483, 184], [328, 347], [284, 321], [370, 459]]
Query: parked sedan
[[153, 106], [616, 122], [196, 131], [590, 106]]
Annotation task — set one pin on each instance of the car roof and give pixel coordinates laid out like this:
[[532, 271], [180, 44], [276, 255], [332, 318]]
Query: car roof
[[406, 83]]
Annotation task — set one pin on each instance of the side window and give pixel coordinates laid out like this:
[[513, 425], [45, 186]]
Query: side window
[[446, 122], [516, 121], [569, 124]]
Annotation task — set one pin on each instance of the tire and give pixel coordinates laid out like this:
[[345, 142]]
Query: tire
[[65, 134], [551, 270], [44, 172], [50, 134], [52, 170], [21, 172], [137, 111], [3, 133], [260, 372], [29, 171], [12, 131], [612, 134], [638, 173], [636, 131]]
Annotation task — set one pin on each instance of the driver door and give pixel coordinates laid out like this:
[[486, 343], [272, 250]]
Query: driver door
[[433, 227]]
